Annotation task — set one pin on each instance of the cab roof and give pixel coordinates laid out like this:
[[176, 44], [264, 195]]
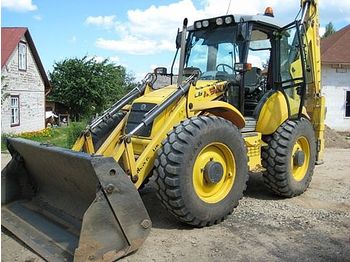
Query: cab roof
[[259, 18]]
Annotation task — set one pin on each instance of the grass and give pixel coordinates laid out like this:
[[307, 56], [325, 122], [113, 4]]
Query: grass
[[60, 136]]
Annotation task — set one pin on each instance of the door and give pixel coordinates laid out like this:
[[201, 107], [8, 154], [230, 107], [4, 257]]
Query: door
[[291, 70]]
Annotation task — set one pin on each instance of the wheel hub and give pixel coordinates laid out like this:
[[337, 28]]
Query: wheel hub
[[299, 158], [213, 172]]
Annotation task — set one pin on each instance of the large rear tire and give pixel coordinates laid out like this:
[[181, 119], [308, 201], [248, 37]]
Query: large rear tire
[[290, 158], [201, 170]]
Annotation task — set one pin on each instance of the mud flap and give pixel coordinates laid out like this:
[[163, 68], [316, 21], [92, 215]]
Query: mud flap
[[69, 205]]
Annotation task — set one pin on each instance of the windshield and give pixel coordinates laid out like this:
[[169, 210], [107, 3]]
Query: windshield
[[213, 52]]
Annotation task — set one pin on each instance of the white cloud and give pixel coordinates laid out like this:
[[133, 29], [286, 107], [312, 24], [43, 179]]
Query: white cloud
[[133, 45], [19, 5], [153, 30], [139, 76], [104, 21]]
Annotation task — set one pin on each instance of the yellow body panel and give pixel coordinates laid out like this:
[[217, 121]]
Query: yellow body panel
[[254, 143], [145, 161], [204, 91], [273, 113], [221, 109]]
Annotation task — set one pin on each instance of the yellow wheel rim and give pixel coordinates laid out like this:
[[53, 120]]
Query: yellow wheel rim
[[299, 170], [205, 189]]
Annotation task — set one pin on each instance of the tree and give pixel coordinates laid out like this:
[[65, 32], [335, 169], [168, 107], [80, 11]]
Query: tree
[[329, 30], [86, 86]]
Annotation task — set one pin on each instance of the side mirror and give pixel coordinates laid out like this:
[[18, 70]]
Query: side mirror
[[160, 71], [178, 39]]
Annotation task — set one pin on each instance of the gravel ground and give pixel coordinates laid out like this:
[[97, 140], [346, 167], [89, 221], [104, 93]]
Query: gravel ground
[[312, 227]]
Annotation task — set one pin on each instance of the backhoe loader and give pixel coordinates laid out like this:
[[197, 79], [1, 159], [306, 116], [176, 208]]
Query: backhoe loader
[[247, 98]]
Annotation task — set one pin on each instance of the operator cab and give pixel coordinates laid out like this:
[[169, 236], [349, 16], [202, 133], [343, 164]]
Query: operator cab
[[255, 55], [215, 46]]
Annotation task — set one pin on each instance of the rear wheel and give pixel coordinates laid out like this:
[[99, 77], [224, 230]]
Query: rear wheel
[[201, 170], [290, 158]]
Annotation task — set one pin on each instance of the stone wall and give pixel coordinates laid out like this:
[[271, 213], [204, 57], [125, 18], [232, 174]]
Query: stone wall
[[31, 90]]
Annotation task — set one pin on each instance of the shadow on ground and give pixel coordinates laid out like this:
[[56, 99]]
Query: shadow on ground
[[161, 218]]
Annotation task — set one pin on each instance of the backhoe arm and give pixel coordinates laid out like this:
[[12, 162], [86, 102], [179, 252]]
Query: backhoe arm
[[315, 102]]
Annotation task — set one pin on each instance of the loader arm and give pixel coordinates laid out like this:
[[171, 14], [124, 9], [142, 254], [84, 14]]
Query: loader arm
[[85, 141]]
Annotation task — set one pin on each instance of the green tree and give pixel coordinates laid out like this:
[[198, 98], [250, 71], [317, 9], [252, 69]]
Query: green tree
[[86, 86], [329, 30]]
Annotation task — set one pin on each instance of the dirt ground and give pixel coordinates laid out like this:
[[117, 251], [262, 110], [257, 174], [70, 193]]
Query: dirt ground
[[312, 227]]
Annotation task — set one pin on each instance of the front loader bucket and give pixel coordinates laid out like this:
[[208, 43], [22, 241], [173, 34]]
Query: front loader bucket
[[69, 205]]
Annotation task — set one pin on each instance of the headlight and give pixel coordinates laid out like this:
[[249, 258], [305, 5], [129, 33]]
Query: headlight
[[219, 21], [198, 25], [205, 23], [228, 20]]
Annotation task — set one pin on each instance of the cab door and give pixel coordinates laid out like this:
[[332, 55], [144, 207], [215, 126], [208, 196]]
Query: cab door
[[291, 69]]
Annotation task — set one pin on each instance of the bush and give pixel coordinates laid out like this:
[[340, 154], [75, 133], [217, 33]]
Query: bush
[[74, 131], [39, 136], [61, 136]]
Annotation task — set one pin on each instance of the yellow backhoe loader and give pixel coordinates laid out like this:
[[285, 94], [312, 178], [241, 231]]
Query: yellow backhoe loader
[[247, 99]]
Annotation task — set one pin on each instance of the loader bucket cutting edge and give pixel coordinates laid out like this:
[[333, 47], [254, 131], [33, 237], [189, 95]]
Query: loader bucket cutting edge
[[68, 205]]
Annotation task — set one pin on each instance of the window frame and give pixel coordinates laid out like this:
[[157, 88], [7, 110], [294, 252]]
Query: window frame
[[22, 43], [18, 111], [341, 70], [297, 82], [346, 93]]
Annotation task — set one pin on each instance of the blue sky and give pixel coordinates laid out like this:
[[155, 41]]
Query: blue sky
[[137, 34]]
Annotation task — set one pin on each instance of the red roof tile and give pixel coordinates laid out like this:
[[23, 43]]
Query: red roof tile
[[335, 49], [10, 37]]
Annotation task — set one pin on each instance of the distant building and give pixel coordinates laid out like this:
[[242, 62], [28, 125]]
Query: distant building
[[24, 82], [335, 58], [60, 110]]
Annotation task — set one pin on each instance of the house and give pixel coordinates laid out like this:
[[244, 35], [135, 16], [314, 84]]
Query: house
[[24, 82], [335, 58]]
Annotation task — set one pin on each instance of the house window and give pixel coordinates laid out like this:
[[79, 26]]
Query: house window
[[341, 70], [14, 110], [22, 56], [347, 104]]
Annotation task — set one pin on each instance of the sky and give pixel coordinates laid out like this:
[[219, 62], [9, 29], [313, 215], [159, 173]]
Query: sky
[[138, 34]]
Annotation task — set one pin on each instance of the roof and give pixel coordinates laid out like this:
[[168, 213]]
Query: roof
[[335, 48], [260, 18], [10, 37]]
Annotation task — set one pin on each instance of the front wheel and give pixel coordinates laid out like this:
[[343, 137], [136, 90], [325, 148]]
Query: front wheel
[[201, 170], [290, 158]]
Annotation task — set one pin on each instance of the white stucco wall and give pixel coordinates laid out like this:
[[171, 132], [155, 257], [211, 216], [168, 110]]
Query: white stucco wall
[[31, 90], [334, 89]]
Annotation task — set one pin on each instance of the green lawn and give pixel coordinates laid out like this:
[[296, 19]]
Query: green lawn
[[60, 136]]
